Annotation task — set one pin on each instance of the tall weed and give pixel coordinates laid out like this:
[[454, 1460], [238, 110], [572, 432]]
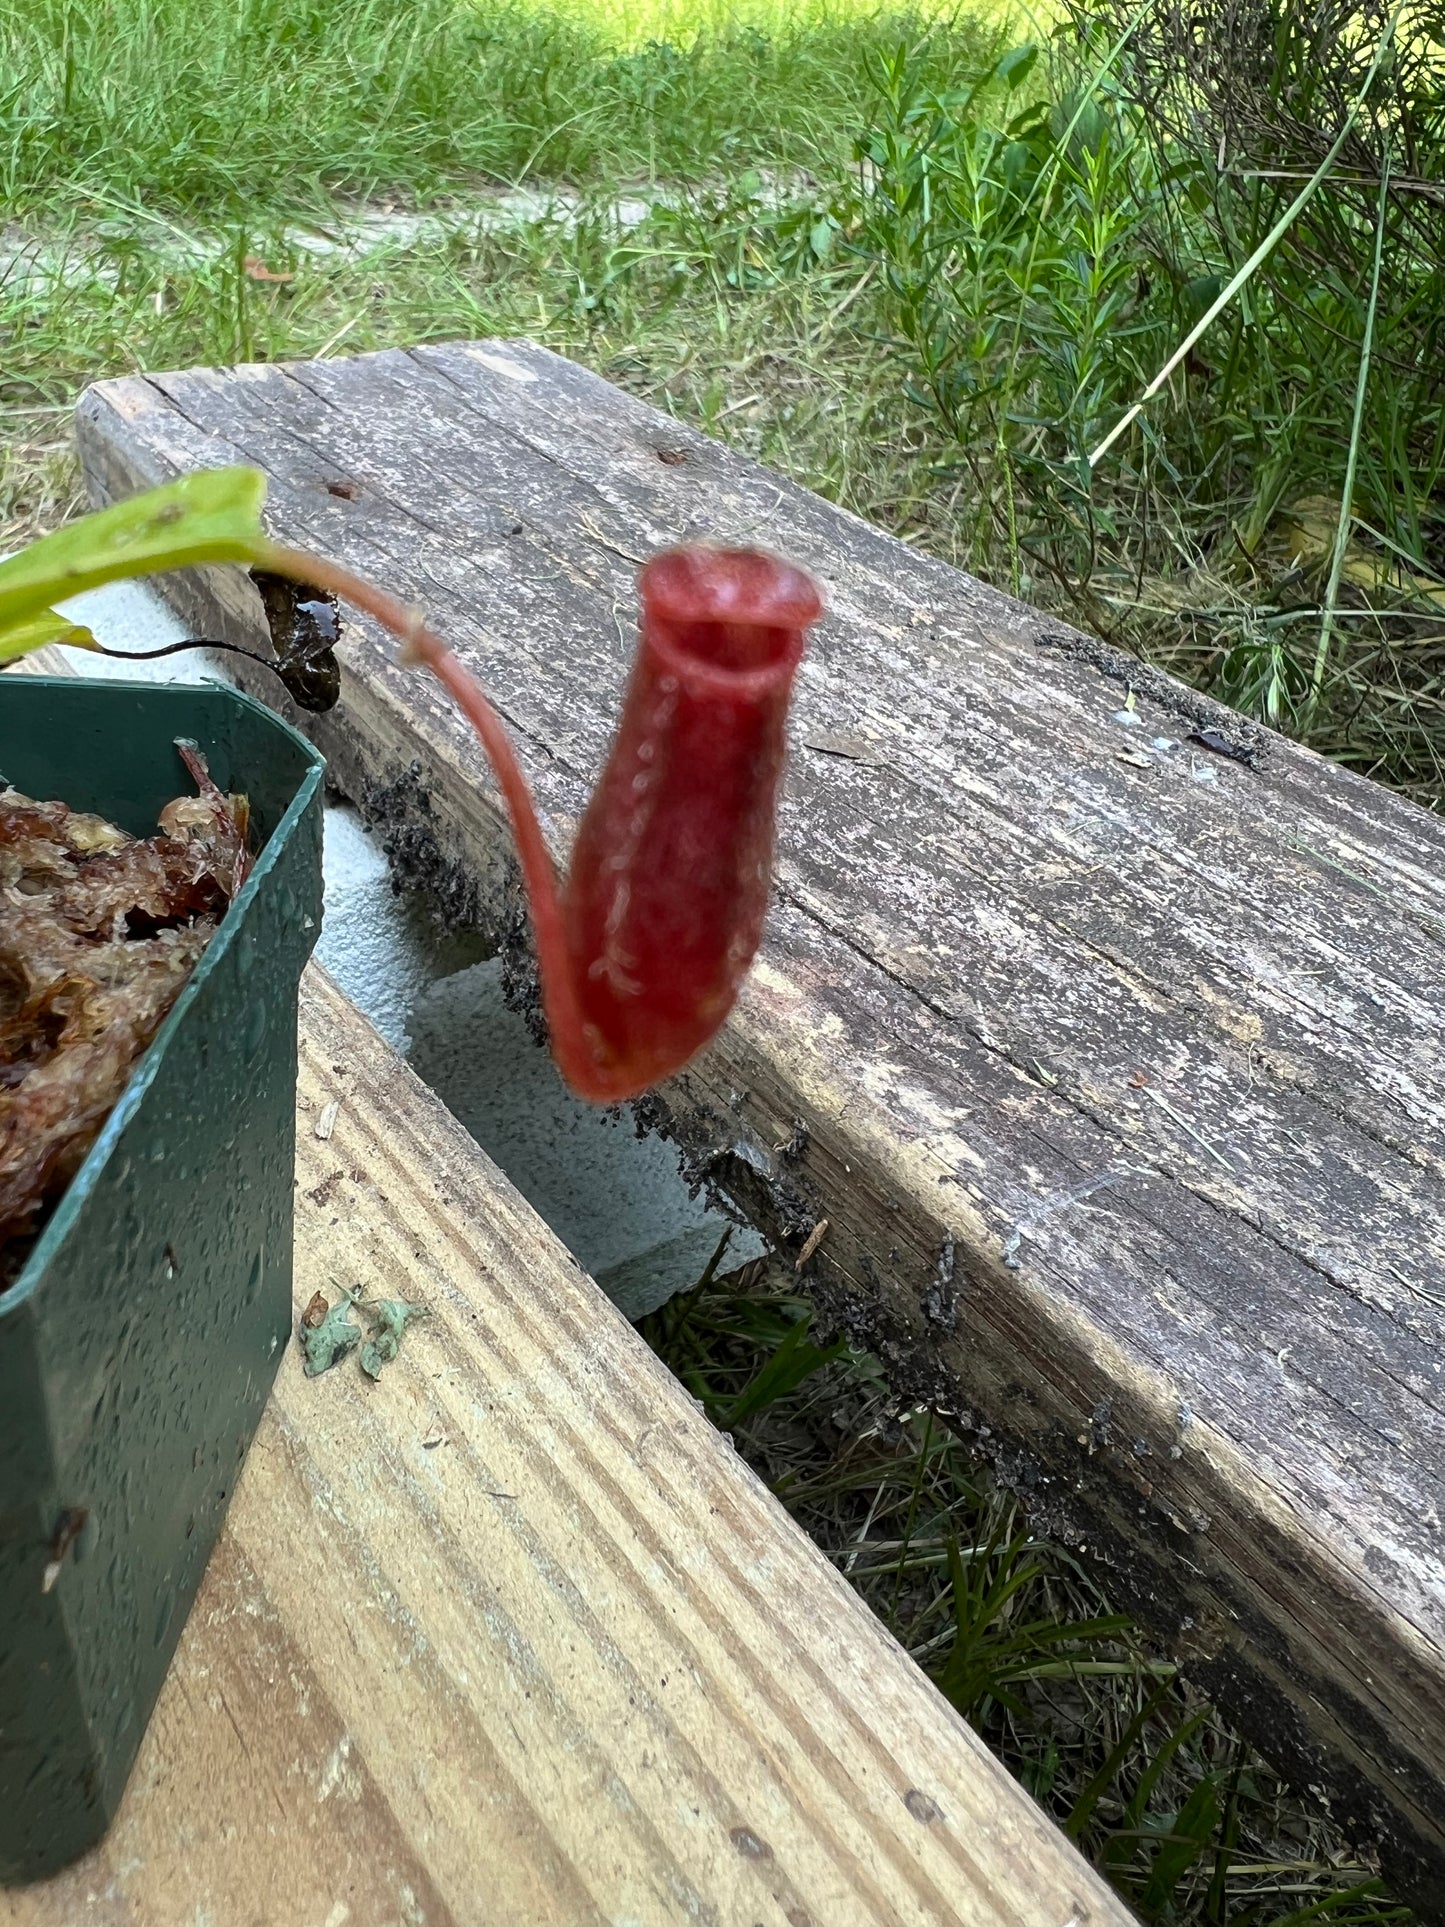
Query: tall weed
[[1046, 241]]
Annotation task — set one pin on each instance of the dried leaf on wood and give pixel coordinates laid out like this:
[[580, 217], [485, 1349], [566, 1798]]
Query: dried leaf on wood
[[389, 1319], [326, 1342]]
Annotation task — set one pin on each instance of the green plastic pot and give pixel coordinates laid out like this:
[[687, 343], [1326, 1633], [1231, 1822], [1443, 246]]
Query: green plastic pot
[[139, 1344]]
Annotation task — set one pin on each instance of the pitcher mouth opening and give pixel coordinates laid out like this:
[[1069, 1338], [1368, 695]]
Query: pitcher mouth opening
[[729, 620]]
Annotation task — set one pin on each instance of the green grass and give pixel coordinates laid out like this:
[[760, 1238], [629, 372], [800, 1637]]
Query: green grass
[[1186, 1821], [1026, 257], [217, 108], [1046, 257]]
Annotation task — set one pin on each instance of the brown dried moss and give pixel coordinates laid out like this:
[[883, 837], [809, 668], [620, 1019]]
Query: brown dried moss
[[99, 932]]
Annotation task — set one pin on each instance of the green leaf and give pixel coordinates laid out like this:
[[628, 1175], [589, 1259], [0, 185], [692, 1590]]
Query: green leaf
[[35, 631], [211, 517], [1083, 1808], [1198, 293], [1185, 1843], [1016, 65]]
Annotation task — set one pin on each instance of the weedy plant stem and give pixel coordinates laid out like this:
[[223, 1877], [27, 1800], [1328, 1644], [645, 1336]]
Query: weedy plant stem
[[1049, 173], [1347, 488]]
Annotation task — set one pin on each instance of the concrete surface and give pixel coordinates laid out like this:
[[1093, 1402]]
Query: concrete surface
[[33, 260]]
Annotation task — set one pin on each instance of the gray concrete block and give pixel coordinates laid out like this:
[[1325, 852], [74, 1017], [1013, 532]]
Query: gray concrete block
[[615, 1199]]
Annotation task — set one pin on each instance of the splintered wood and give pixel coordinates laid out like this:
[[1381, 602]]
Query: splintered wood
[[1102, 1028], [512, 1636]]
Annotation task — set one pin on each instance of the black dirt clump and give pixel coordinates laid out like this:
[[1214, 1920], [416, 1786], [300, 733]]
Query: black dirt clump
[[402, 813], [1220, 728]]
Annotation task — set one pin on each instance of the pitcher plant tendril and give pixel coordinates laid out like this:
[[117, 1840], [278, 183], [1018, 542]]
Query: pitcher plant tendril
[[641, 953]]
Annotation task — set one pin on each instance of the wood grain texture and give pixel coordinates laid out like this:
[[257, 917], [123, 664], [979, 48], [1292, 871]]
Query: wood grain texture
[[1116, 1070], [511, 1637]]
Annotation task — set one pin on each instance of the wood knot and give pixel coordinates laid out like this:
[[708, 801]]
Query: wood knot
[[924, 1809]]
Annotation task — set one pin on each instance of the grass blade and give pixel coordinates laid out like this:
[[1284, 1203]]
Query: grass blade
[[1181, 1848], [796, 1359], [1347, 490], [1083, 1808]]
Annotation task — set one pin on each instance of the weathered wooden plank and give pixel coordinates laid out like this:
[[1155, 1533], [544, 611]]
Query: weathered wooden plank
[[1120, 1080], [512, 1636]]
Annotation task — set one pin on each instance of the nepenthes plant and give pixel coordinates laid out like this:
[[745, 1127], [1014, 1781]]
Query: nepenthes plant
[[642, 951]]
